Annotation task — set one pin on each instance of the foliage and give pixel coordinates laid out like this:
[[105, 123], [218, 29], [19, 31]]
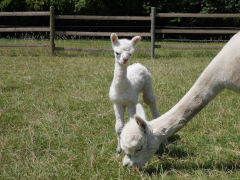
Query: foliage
[[92, 7], [230, 6], [123, 7], [10, 5]]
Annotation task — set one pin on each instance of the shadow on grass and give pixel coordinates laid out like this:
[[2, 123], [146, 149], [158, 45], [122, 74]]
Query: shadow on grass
[[83, 54], [171, 139], [185, 53], [174, 158], [172, 152], [206, 166], [26, 55]]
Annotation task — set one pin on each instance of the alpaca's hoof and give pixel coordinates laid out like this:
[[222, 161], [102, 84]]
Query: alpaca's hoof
[[117, 154], [119, 149]]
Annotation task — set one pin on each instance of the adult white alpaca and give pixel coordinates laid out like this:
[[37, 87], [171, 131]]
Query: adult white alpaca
[[127, 82], [140, 139]]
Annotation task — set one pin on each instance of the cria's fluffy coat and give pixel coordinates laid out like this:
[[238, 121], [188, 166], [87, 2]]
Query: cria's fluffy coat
[[128, 82]]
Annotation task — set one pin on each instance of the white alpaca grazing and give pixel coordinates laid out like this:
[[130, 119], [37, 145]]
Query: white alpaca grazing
[[140, 139], [127, 82]]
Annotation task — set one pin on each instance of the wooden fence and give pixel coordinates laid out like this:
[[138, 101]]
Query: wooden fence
[[151, 33], [187, 30], [30, 29]]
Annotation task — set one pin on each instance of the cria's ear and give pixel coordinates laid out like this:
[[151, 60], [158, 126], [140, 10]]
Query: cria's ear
[[135, 40], [142, 124], [114, 39], [140, 111]]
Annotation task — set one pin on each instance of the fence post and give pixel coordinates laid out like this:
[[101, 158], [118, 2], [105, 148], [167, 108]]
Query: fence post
[[153, 13], [52, 33]]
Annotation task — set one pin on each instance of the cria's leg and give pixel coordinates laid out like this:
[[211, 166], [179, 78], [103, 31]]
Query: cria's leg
[[119, 113], [150, 100]]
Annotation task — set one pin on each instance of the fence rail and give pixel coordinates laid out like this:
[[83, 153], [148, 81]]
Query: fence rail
[[151, 33], [197, 15], [77, 33], [189, 46], [196, 31], [25, 45], [82, 17], [39, 13], [31, 29]]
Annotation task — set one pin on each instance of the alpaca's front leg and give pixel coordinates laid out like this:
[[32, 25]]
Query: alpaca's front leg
[[119, 113]]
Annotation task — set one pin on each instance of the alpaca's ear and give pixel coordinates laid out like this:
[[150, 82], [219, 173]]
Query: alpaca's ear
[[140, 111], [142, 124], [136, 40], [114, 39]]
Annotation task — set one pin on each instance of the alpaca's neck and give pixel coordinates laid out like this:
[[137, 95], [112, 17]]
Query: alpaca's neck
[[120, 75], [202, 92]]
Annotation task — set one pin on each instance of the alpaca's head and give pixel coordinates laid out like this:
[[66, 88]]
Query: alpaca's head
[[137, 140], [123, 48]]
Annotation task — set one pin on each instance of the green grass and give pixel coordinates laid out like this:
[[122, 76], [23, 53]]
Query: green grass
[[57, 122]]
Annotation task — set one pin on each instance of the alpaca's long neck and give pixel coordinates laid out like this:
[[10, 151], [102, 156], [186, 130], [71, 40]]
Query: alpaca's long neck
[[120, 75], [202, 92]]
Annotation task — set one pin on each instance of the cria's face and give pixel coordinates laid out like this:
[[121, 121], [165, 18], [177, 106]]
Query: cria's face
[[122, 57], [123, 48], [123, 51]]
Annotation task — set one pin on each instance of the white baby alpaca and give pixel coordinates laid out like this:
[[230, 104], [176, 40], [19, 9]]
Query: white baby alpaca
[[128, 82]]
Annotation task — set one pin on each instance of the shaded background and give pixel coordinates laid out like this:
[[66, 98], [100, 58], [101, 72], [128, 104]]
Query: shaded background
[[125, 8]]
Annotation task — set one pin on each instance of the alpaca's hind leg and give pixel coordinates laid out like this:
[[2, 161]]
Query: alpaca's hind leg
[[150, 100], [119, 113], [132, 110]]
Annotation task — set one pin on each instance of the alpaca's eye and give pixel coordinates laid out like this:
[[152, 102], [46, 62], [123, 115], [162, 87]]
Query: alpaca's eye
[[139, 148], [117, 53], [130, 54]]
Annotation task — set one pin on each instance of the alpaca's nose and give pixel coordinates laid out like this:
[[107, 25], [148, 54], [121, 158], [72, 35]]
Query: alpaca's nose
[[125, 60], [125, 165], [126, 161]]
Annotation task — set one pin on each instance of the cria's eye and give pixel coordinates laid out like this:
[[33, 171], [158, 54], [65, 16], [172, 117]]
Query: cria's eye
[[130, 54], [117, 53], [139, 149]]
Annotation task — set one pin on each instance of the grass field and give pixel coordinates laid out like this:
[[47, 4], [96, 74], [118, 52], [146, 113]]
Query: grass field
[[57, 122]]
